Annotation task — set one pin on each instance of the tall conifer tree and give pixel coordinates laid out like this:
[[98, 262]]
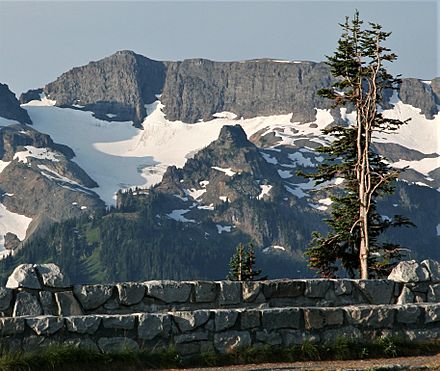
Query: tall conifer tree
[[361, 81]]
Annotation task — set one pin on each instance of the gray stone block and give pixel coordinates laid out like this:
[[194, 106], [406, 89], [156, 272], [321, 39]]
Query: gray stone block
[[225, 318], [276, 318], [11, 326], [250, 319], [5, 298], [83, 324], [205, 291], [408, 314], [251, 291], [122, 322], [434, 293], [189, 320], [229, 341], [150, 325], [24, 276], [409, 271], [92, 296], [296, 337], [270, 338], [26, 304], [283, 288], [432, 313], [230, 292], [406, 296], [345, 332], [374, 316], [317, 288], [189, 338], [343, 287], [82, 343], [52, 276], [169, 291], [377, 291], [421, 335], [317, 318], [433, 268], [130, 293], [45, 325], [67, 304], [117, 344], [47, 302]]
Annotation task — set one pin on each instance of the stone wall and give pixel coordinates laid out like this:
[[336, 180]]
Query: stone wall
[[39, 307]]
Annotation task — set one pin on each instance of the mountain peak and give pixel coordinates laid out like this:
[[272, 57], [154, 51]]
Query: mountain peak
[[233, 134]]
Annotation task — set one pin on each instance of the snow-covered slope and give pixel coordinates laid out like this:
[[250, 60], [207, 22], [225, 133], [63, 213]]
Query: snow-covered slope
[[117, 155]]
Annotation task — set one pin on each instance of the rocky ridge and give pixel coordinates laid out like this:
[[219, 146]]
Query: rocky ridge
[[10, 108], [119, 86]]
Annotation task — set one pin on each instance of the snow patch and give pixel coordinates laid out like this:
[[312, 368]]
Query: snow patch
[[221, 229], [228, 171], [299, 159], [438, 229], [38, 153], [269, 159], [3, 165], [265, 189], [13, 223], [225, 115], [195, 193], [177, 215], [284, 174]]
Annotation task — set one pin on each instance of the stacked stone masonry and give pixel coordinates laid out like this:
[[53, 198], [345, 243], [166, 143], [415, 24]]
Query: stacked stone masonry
[[38, 307]]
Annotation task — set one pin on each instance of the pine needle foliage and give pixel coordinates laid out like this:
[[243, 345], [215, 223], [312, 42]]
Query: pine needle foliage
[[353, 242], [242, 264]]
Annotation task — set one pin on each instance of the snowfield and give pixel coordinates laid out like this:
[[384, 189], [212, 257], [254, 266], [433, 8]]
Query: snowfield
[[117, 155], [13, 223]]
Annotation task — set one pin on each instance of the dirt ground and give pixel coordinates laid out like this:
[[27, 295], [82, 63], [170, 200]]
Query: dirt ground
[[407, 363]]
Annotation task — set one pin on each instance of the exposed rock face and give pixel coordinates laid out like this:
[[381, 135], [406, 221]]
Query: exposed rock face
[[196, 88], [421, 95], [10, 107], [30, 95], [118, 85]]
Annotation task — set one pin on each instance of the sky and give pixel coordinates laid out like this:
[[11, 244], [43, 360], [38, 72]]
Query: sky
[[41, 40]]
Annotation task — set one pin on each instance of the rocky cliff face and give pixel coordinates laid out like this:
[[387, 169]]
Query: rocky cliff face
[[197, 88], [115, 87], [10, 107], [119, 86]]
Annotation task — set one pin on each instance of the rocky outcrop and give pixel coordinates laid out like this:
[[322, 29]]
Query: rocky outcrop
[[421, 95], [116, 87], [196, 88], [10, 107]]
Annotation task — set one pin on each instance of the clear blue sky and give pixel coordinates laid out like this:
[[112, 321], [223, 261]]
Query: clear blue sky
[[41, 40]]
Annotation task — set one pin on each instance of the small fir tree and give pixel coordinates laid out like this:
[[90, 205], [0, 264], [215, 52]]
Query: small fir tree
[[242, 264], [355, 225]]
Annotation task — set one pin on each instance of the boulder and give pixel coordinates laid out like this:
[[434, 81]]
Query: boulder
[[26, 304], [117, 344], [24, 276], [5, 298], [11, 326], [189, 320], [83, 324], [150, 326], [130, 293], [67, 304], [225, 319], [229, 341], [122, 322], [433, 268], [92, 296], [409, 271], [45, 325], [169, 291], [52, 276]]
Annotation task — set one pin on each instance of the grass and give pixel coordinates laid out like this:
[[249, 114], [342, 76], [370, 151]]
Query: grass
[[59, 357]]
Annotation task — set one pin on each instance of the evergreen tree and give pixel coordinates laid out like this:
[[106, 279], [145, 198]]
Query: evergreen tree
[[355, 226], [242, 264]]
